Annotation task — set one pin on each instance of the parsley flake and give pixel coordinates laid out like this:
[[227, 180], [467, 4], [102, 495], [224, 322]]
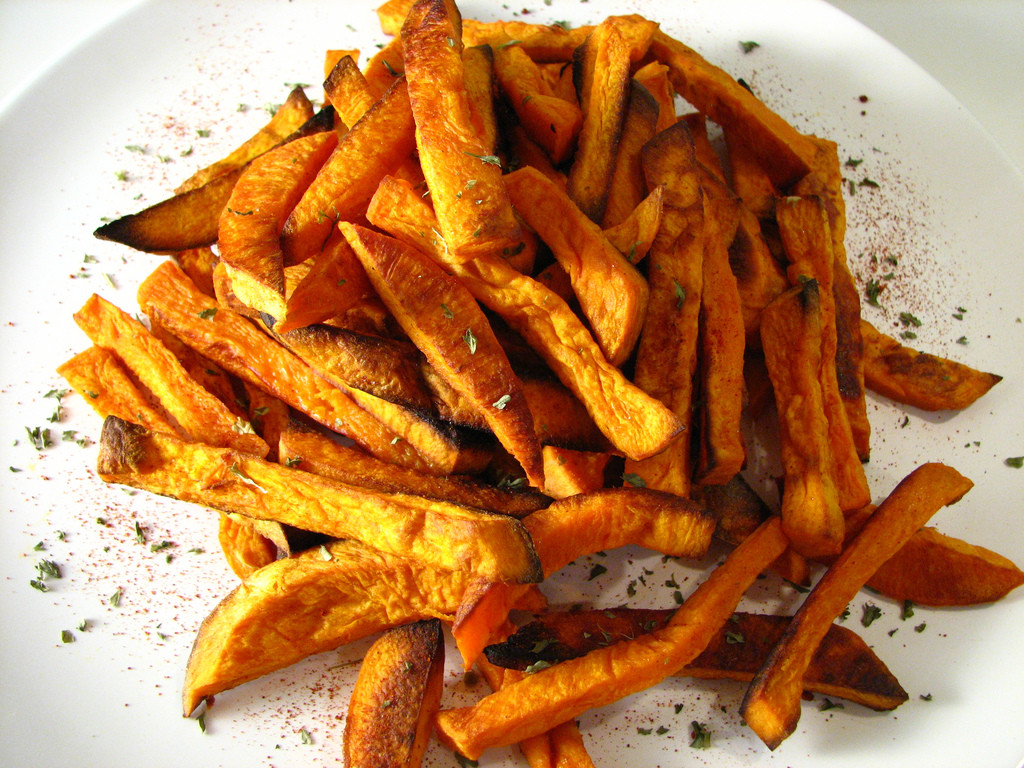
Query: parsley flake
[[749, 45], [700, 736]]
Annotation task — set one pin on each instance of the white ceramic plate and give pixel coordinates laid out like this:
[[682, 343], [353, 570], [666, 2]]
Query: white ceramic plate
[[948, 210]]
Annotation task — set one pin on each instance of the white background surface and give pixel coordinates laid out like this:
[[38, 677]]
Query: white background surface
[[973, 49]]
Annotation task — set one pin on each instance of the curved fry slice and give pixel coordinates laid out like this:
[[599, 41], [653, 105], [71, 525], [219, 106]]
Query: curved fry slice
[[308, 604], [772, 704]]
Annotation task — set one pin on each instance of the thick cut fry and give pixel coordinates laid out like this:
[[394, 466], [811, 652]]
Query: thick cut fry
[[232, 342], [601, 73], [843, 665], [759, 278], [249, 235], [748, 178], [199, 413], [464, 177], [443, 534], [245, 550], [198, 264], [543, 43], [935, 569], [308, 604], [391, 15], [611, 293], [806, 238], [924, 381], [314, 452], [653, 76], [550, 121], [375, 146], [791, 338], [104, 383], [288, 118], [627, 188], [667, 354], [720, 448], [447, 325], [772, 704], [562, 692], [568, 472], [785, 153], [190, 219], [481, 88], [398, 692], [736, 506], [634, 235], [636, 424], [348, 91]]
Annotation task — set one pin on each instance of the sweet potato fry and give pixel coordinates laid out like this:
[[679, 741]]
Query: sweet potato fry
[[601, 73], [543, 43], [759, 278], [481, 89], [198, 264], [464, 178], [105, 384], [444, 534], [806, 238], [791, 338], [843, 665], [311, 451], [627, 188], [197, 411], [562, 692], [309, 604], [667, 354], [249, 234], [391, 713], [935, 569], [720, 447], [391, 15], [190, 219], [374, 147], [446, 324], [550, 121], [550, 326], [785, 153], [772, 704], [348, 91], [245, 549], [736, 506], [634, 236], [568, 472], [611, 293], [747, 176], [653, 76], [232, 342], [287, 119], [924, 381]]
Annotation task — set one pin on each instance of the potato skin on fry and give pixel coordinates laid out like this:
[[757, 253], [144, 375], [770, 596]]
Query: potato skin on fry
[[398, 692]]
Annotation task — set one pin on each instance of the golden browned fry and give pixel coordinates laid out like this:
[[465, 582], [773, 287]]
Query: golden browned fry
[[236, 345], [562, 692], [667, 354], [550, 121], [198, 264], [634, 236], [568, 472], [105, 384], [446, 535], [736, 506], [720, 448], [249, 235], [524, 151], [384, 67], [791, 339], [444, 321], [199, 414], [481, 88], [635, 423], [915, 378], [309, 604], [374, 147], [464, 177], [333, 284], [935, 569], [315, 452], [287, 119], [747, 176], [245, 550], [785, 153], [759, 278], [707, 157], [392, 15], [627, 188], [653, 76], [348, 91], [543, 43], [843, 665], [391, 713], [611, 292], [806, 239], [190, 219], [772, 704], [601, 73]]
